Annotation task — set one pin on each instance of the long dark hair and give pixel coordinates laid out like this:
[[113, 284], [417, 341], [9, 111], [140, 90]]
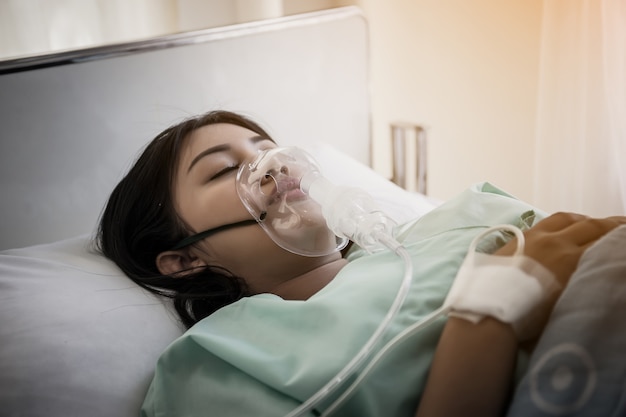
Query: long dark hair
[[139, 221]]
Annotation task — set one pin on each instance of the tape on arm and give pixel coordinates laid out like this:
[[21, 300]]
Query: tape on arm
[[513, 289]]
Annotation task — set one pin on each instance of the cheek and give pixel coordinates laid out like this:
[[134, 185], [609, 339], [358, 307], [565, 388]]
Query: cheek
[[207, 209], [242, 249]]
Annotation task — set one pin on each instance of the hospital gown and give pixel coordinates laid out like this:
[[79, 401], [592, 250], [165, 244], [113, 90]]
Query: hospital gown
[[264, 356]]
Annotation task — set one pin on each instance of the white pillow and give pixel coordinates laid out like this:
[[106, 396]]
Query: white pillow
[[78, 338], [399, 204]]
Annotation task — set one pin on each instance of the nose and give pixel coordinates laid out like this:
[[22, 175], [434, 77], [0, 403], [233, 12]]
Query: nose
[[264, 164], [276, 180], [275, 172]]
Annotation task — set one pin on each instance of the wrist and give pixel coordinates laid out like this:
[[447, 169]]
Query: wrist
[[487, 324], [514, 290]]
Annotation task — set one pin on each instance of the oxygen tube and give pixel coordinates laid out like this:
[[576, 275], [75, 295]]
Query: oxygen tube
[[284, 191], [445, 309], [351, 213]]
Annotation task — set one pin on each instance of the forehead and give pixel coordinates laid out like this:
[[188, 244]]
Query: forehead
[[213, 135]]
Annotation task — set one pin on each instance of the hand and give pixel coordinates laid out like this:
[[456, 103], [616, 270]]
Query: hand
[[559, 241]]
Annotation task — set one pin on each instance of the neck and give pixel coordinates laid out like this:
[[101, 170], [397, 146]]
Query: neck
[[304, 286]]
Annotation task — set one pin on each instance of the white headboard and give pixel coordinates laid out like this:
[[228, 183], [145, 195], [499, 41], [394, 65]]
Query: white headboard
[[73, 122]]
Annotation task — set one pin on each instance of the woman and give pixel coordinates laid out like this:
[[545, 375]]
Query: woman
[[184, 184]]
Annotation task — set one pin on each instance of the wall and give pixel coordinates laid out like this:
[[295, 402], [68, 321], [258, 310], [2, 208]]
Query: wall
[[30, 27], [468, 71]]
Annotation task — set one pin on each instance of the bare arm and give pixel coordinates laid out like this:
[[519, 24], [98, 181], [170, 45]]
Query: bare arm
[[472, 371]]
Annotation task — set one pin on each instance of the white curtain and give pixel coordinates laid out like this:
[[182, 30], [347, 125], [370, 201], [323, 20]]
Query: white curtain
[[29, 27], [581, 123]]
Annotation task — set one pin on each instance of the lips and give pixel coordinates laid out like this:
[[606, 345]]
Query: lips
[[294, 195], [288, 189]]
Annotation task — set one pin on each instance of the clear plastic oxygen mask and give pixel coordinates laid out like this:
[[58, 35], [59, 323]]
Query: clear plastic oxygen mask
[[305, 213], [302, 211], [269, 187]]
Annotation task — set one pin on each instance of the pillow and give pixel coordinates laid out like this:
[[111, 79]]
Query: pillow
[[578, 366], [79, 338], [399, 204]]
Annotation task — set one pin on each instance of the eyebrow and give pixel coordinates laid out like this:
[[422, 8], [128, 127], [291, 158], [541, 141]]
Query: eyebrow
[[222, 148]]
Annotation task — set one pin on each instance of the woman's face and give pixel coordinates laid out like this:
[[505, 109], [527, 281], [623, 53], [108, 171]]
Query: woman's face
[[205, 197]]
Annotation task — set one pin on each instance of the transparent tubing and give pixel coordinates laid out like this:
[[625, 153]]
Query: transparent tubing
[[377, 231], [360, 357], [425, 322], [349, 213]]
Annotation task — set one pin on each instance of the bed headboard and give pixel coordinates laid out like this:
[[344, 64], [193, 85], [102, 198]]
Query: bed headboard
[[73, 122]]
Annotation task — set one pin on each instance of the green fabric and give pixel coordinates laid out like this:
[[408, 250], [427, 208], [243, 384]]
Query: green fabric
[[263, 356]]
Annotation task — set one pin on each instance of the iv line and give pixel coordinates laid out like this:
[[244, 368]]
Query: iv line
[[425, 322], [350, 214]]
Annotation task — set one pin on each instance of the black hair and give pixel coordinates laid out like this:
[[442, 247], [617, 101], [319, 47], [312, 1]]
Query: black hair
[[139, 222]]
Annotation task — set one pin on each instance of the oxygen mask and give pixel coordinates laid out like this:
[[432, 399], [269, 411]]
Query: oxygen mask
[[270, 188], [305, 213]]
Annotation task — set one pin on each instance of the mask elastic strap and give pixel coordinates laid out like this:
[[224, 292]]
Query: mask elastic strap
[[202, 235]]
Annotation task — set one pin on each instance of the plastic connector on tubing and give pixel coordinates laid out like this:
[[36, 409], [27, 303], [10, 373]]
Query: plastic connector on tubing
[[350, 212]]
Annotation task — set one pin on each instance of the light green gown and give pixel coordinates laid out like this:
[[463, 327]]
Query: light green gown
[[263, 356]]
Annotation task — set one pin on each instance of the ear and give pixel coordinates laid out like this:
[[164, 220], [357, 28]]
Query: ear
[[177, 262]]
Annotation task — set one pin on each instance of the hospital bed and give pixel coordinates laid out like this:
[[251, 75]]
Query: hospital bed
[[77, 337]]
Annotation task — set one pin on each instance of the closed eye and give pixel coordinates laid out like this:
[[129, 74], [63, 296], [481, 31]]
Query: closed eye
[[224, 171]]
